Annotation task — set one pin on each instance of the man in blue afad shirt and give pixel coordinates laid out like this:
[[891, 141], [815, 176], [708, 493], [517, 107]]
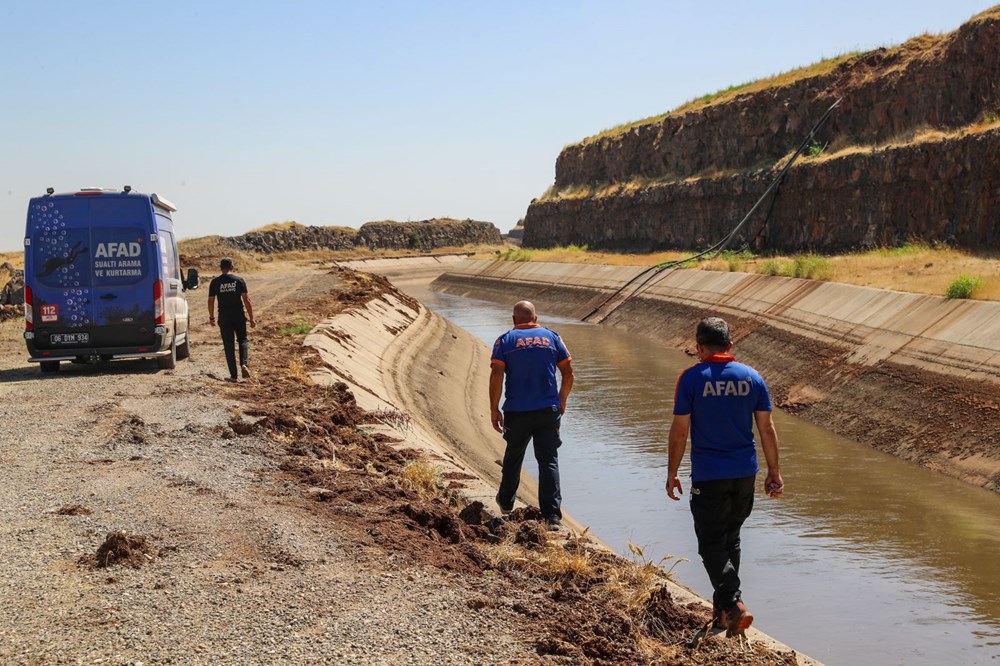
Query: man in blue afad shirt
[[718, 400], [529, 356]]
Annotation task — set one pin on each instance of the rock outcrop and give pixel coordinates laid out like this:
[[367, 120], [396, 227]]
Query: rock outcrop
[[11, 285], [911, 155], [297, 237], [424, 236], [427, 235]]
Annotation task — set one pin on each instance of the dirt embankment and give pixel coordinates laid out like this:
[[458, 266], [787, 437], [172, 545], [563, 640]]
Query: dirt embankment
[[908, 382], [168, 517]]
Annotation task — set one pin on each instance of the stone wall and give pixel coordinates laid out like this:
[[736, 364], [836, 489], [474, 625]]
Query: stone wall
[[944, 191], [425, 235], [296, 238]]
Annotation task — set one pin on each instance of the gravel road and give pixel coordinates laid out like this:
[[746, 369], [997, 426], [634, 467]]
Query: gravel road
[[240, 570]]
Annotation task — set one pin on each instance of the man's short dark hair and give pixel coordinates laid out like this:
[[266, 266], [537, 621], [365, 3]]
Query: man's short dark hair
[[713, 332], [226, 263]]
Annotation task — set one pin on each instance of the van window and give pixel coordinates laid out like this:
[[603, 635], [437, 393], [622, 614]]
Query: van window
[[171, 268]]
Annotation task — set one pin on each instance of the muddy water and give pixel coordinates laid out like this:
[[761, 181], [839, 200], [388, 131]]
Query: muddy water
[[866, 560]]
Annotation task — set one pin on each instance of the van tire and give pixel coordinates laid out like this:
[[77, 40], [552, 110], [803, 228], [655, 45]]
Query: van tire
[[49, 366], [169, 362], [184, 349]]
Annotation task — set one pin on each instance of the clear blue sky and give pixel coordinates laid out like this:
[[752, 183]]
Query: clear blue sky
[[335, 113]]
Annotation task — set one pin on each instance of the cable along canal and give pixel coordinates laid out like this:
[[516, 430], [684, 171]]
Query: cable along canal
[[867, 559]]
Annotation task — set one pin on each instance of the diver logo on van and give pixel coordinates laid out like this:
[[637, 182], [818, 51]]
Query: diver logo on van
[[118, 250]]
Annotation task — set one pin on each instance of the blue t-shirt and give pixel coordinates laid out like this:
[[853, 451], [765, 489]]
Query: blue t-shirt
[[530, 355], [721, 396]]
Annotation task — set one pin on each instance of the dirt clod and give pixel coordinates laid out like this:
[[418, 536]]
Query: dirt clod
[[131, 550]]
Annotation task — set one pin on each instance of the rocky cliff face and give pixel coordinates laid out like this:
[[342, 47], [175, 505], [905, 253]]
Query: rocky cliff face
[[656, 193], [938, 190], [424, 236]]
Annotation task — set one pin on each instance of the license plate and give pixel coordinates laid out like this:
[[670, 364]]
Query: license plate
[[69, 338]]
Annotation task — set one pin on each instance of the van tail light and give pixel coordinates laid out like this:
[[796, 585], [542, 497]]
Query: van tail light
[[29, 317], [158, 301]]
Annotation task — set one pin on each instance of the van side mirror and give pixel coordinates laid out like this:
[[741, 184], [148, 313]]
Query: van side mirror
[[192, 280]]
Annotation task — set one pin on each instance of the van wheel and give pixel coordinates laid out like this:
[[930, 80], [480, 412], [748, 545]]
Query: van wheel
[[49, 366], [184, 349], [169, 362]]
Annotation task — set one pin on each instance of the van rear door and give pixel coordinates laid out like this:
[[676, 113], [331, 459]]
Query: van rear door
[[59, 272], [124, 270]]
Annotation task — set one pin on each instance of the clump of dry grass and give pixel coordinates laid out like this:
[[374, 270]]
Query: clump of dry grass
[[297, 370], [421, 477], [550, 560]]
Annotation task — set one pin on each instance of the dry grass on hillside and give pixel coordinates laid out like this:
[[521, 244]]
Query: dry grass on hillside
[[914, 267], [278, 226], [204, 254], [895, 57], [15, 259], [324, 256], [783, 79]]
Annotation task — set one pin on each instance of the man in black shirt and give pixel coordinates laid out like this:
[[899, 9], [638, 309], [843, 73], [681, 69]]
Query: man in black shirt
[[232, 294]]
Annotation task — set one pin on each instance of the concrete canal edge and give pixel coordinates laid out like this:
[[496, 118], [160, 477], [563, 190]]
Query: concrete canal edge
[[383, 352], [914, 375]]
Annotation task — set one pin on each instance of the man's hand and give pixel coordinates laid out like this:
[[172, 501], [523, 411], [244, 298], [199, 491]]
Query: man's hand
[[773, 485], [253, 323], [496, 419], [211, 321], [562, 405], [674, 489]]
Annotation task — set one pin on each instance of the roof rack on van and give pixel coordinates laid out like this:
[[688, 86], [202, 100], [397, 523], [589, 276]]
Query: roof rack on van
[[163, 203]]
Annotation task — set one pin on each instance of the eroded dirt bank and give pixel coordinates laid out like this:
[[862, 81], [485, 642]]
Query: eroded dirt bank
[[914, 376], [167, 517]]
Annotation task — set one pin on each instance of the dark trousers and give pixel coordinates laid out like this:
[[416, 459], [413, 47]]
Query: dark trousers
[[542, 426], [237, 328], [719, 509]]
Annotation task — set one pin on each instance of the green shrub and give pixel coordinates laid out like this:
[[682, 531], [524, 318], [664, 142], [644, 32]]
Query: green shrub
[[770, 267], [515, 254], [297, 329], [811, 267], [912, 247], [963, 286], [736, 260]]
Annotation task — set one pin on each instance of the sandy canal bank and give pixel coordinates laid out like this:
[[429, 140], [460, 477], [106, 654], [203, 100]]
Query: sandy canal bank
[[913, 375], [429, 379]]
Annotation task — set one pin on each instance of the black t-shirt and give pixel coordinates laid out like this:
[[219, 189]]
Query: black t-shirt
[[228, 290]]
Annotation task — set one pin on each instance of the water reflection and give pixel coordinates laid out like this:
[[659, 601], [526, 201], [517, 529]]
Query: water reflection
[[868, 559]]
